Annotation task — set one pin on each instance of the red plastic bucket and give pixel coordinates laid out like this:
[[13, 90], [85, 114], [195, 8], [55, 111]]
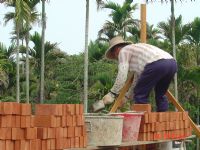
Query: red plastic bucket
[[131, 125]]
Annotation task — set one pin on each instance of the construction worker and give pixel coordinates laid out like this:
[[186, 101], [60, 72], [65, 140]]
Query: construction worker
[[152, 68]]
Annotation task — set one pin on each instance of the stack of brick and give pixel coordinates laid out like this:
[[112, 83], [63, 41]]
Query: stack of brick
[[16, 130], [60, 126], [54, 127], [162, 125]]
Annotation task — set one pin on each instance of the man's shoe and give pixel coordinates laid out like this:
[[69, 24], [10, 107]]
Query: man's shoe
[[98, 105]]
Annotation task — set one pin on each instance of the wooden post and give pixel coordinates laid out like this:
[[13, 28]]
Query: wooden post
[[143, 31]]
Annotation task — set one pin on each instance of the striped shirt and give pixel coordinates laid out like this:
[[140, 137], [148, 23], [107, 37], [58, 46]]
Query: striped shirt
[[133, 58]]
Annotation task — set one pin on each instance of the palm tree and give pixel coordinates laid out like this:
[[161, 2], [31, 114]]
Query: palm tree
[[121, 18], [42, 53], [36, 53], [181, 30], [152, 33], [6, 66], [86, 58], [24, 32], [194, 37], [22, 13]]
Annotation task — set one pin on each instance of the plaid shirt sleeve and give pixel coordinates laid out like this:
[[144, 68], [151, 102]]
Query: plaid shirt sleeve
[[123, 69]]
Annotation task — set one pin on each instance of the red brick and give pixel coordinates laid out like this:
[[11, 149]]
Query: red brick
[[85, 141], [151, 136], [69, 120], [32, 121], [25, 121], [17, 121], [53, 144], [148, 127], [143, 127], [158, 135], [25, 145], [3, 144], [65, 132], [186, 123], [152, 117], [59, 133], [69, 142], [44, 144], [71, 131], [25, 109], [163, 126], [179, 116], [31, 133], [35, 144], [64, 121], [51, 133], [42, 133], [172, 116], [141, 107], [58, 121], [152, 127], [162, 116], [66, 143], [48, 144], [10, 108], [59, 143], [80, 120], [69, 109], [77, 142], [148, 136], [84, 133], [181, 123], [77, 131], [72, 142], [7, 121], [74, 120], [142, 137], [185, 115], [171, 125], [77, 109], [49, 109], [9, 145], [45, 121], [18, 134], [167, 116], [177, 125], [5, 133], [157, 126], [81, 141], [81, 109], [187, 132], [17, 144]]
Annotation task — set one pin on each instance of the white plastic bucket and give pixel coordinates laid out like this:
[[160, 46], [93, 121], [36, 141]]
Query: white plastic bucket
[[104, 130]]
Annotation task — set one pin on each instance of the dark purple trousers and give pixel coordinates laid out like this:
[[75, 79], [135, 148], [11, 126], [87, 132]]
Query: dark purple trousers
[[157, 75]]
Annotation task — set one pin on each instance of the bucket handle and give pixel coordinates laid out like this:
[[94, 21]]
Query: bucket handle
[[89, 129]]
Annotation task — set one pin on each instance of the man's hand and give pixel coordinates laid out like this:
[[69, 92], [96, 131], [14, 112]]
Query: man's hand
[[108, 98]]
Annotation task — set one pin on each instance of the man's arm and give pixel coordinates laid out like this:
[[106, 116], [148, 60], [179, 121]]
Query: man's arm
[[121, 78]]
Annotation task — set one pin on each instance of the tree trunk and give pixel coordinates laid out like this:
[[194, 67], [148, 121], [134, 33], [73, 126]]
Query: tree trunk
[[42, 53], [174, 46], [27, 67], [17, 62], [86, 58]]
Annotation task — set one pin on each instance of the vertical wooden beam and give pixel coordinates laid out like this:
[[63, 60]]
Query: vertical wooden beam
[[143, 30]]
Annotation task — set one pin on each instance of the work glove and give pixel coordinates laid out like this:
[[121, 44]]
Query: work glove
[[109, 98], [98, 105]]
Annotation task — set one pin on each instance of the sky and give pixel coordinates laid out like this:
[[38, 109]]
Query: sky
[[66, 20]]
